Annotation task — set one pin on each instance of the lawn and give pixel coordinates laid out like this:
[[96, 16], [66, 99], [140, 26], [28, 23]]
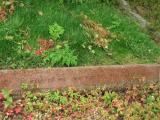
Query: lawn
[[149, 10], [140, 102], [48, 33]]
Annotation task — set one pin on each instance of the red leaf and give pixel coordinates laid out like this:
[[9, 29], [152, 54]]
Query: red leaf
[[18, 110], [45, 44], [10, 112], [1, 106], [39, 52], [3, 14], [30, 117]]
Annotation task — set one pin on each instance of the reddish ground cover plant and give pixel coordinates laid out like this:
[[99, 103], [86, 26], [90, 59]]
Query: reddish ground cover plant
[[3, 14], [44, 46], [133, 103], [100, 34], [6, 8]]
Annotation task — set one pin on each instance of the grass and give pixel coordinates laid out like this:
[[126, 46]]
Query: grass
[[149, 10], [131, 45]]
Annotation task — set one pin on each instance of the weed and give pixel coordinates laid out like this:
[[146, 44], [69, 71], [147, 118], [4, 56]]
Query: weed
[[57, 98], [75, 107], [109, 97], [30, 96], [8, 99], [63, 100], [29, 107], [150, 99], [56, 31], [83, 100], [72, 94], [63, 57], [54, 96], [24, 86]]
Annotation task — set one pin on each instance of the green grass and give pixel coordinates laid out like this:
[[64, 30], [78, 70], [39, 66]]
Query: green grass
[[26, 25], [148, 9]]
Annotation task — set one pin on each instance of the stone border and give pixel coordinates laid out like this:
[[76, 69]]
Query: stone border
[[55, 78]]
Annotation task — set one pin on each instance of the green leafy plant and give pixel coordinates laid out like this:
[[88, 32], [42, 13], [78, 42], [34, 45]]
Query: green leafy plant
[[83, 99], [61, 1], [30, 96], [150, 99], [63, 56], [75, 107], [56, 31], [8, 99], [30, 100], [63, 100], [72, 94], [109, 97], [29, 106], [56, 97], [24, 86]]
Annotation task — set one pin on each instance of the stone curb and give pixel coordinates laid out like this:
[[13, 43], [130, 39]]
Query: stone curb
[[80, 77]]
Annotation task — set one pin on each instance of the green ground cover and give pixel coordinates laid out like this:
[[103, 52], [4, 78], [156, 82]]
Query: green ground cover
[[75, 43], [132, 103]]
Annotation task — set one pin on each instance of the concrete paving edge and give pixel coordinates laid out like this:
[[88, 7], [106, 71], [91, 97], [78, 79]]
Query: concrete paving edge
[[80, 77]]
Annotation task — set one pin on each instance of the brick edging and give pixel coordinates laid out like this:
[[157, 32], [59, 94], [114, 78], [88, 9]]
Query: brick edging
[[54, 78]]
